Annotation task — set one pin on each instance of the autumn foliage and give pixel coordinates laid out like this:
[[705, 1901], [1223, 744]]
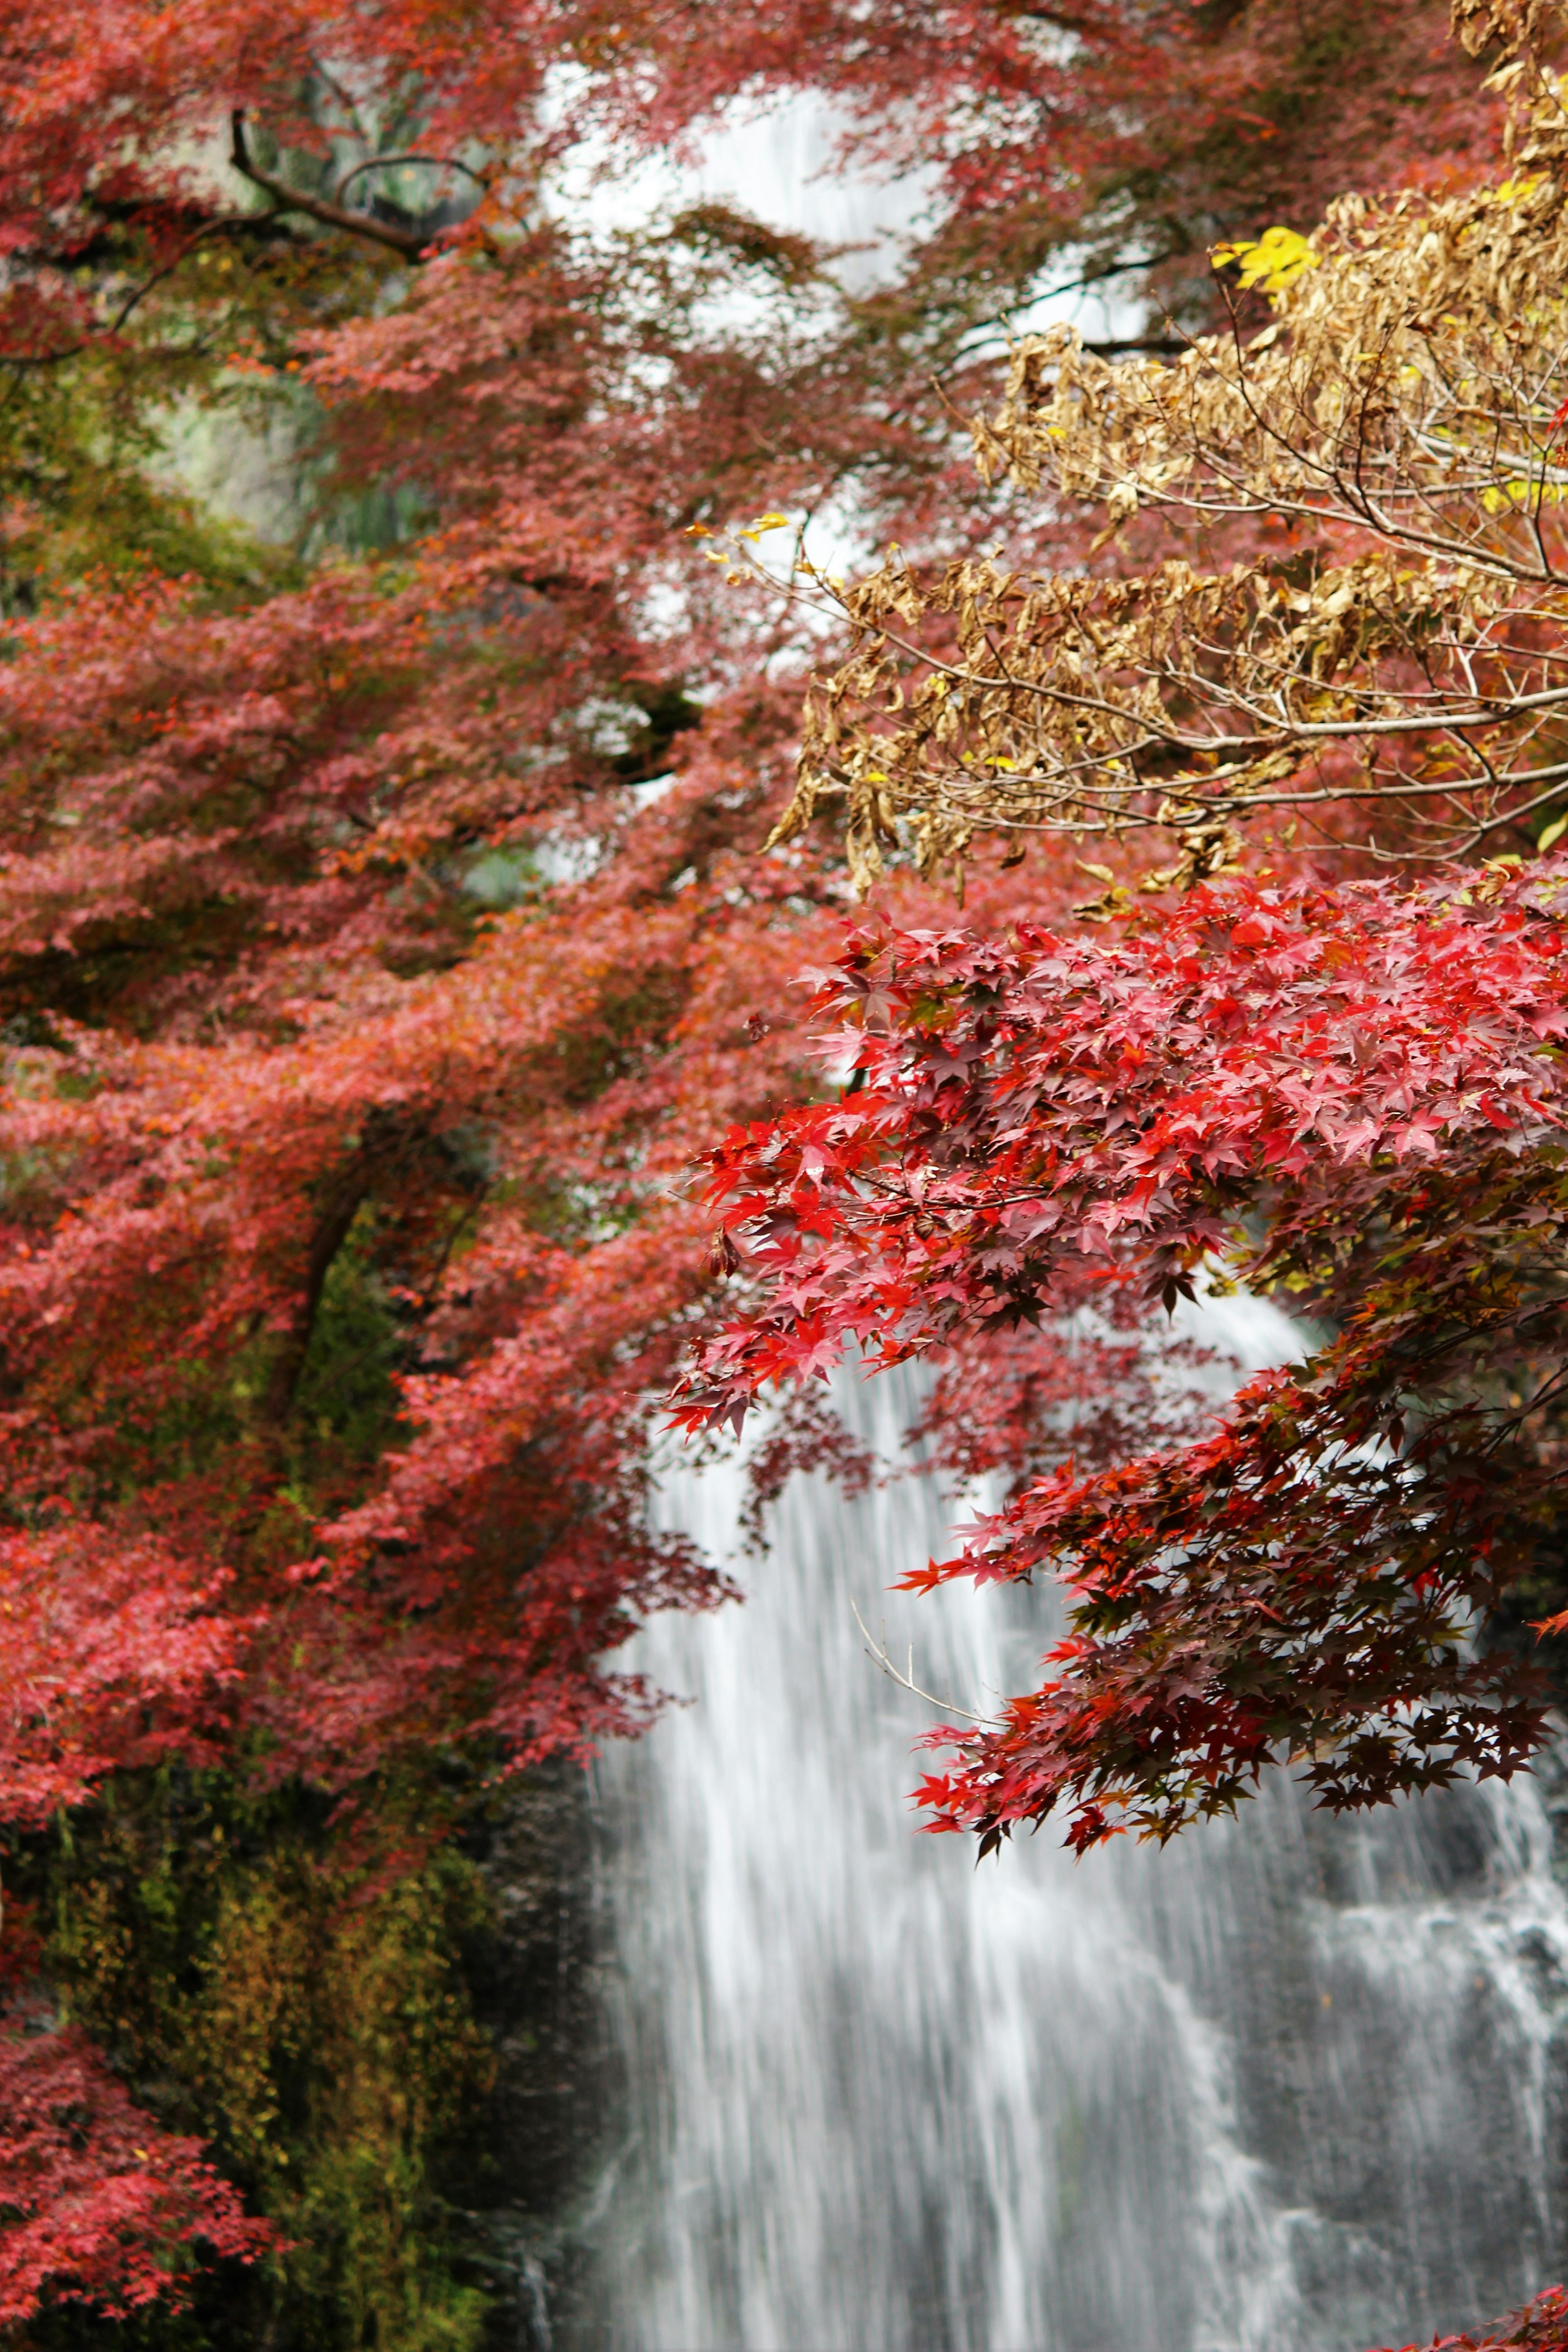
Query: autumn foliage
[[107, 2208], [1540, 2327], [1351, 1098], [388, 928]]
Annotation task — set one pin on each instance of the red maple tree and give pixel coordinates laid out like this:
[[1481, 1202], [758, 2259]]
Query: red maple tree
[[104, 2206]]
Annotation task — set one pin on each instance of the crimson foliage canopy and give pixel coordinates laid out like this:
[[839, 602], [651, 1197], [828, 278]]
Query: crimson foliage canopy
[[1353, 1097]]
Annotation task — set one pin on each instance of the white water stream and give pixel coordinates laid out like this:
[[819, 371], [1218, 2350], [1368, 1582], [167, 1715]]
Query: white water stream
[[1292, 2086]]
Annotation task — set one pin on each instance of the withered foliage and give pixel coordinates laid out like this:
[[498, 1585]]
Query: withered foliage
[[1357, 568]]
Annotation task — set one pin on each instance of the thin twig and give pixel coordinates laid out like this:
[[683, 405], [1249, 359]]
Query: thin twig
[[877, 1654]]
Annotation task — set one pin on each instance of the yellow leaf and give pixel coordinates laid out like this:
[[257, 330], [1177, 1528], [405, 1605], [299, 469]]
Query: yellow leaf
[[1272, 263], [1519, 493], [1553, 834], [765, 522]]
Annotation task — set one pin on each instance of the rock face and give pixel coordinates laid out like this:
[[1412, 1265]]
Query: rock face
[[538, 1982]]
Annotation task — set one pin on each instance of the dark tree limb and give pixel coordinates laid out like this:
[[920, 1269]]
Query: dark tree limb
[[339, 1210], [386, 162], [410, 243]]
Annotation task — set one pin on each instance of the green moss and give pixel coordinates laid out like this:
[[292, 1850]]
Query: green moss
[[81, 450], [295, 1994]]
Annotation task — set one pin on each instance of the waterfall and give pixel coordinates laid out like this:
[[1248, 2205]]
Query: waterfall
[[1294, 2085]]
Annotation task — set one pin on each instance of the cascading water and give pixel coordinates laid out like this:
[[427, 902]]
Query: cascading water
[[1293, 2084]]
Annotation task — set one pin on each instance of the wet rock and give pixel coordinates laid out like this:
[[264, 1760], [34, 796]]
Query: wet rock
[[536, 1980]]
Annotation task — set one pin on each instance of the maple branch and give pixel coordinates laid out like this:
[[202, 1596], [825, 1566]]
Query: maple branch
[[410, 243], [344, 1204], [225, 224], [384, 163]]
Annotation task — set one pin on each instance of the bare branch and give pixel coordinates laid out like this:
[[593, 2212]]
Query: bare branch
[[386, 162], [877, 1652], [409, 243]]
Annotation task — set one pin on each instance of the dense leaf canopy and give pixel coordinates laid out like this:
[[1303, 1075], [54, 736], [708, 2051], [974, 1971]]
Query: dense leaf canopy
[[1352, 1098]]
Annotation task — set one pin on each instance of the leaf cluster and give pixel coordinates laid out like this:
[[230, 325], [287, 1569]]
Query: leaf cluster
[[1349, 1099]]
